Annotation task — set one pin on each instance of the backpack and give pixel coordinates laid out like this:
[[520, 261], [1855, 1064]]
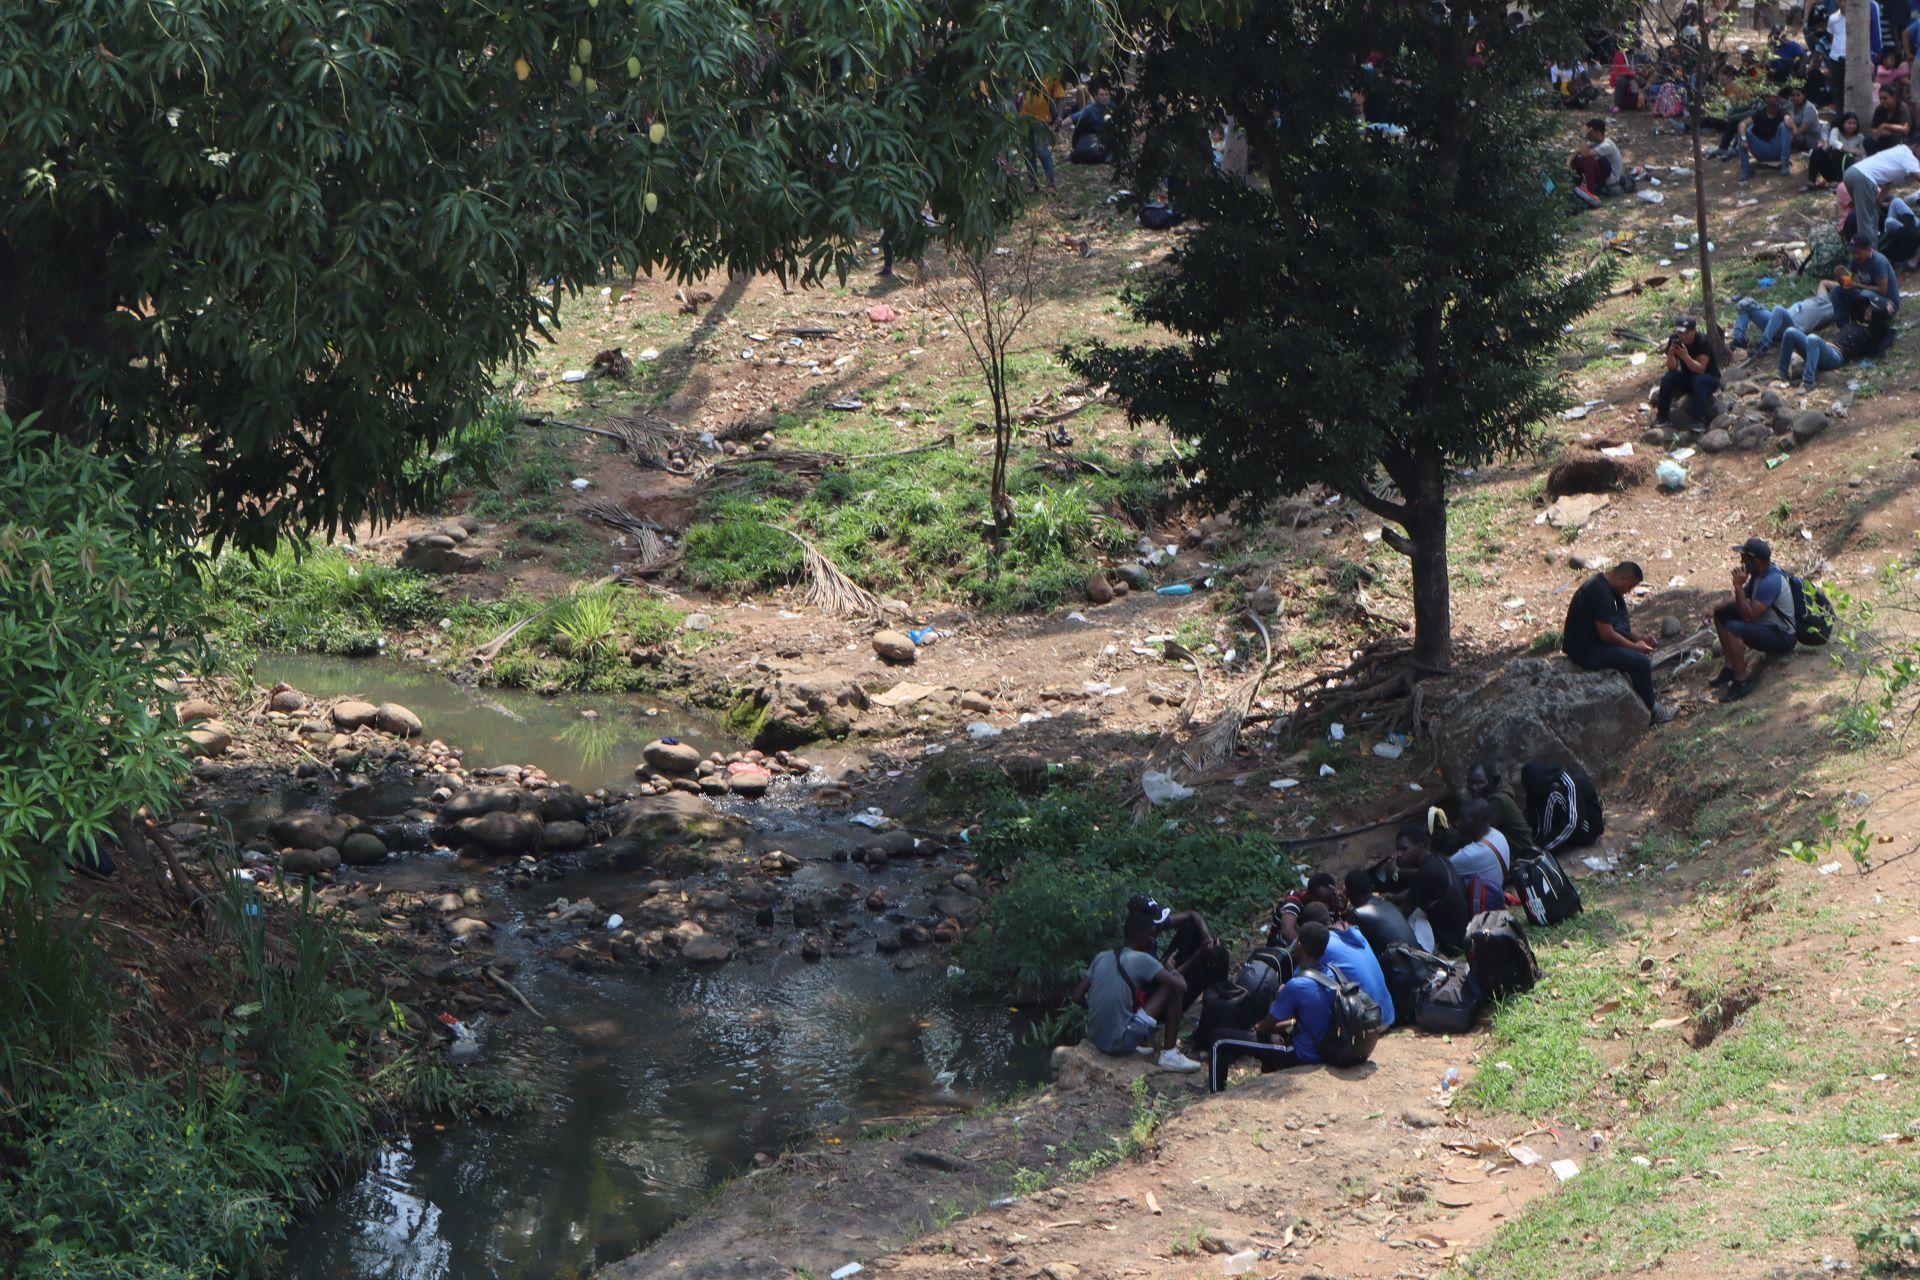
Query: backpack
[[1498, 953], [1812, 612], [1225, 1006], [1261, 974], [1355, 1028], [1449, 1005], [1545, 892], [1409, 972]]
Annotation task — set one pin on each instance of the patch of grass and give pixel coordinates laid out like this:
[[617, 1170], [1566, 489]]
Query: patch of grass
[[582, 643], [533, 467], [319, 599]]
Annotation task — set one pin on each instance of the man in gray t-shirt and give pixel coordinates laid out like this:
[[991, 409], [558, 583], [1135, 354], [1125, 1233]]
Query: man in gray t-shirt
[[1806, 315], [1129, 995]]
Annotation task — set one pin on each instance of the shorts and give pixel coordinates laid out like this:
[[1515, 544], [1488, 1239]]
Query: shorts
[[1139, 1031]]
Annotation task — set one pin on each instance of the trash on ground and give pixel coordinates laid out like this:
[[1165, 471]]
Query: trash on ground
[[1160, 788]]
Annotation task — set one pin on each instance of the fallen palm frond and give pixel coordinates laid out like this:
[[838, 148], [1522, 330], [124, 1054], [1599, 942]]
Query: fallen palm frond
[[655, 556], [828, 588], [1213, 747]]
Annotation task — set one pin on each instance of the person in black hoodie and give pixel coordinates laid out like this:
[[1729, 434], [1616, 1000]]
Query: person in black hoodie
[[1432, 888], [1563, 808]]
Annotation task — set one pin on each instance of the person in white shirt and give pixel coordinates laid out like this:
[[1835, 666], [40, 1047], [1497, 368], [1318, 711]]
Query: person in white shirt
[[1864, 178], [1484, 859]]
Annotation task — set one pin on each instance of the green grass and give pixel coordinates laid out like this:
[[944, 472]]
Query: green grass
[[318, 599]]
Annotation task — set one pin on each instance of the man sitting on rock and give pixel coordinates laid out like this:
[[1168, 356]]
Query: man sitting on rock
[[1759, 615], [1378, 920], [1693, 370], [1195, 952], [1806, 315], [1598, 636], [1129, 994], [1482, 862], [1563, 806], [1863, 335], [1296, 1023], [1434, 894]]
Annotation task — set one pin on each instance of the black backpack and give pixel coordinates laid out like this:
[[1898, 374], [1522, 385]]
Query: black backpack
[[1244, 999], [1409, 972], [1546, 893], [1499, 955], [1812, 612], [1449, 1005], [1355, 1027]]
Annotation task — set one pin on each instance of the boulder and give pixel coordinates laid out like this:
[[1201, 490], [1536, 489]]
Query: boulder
[[353, 714], [469, 927], [1575, 509], [672, 757], [706, 949], [1081, 1066], [307, 831], [1808, 425], [895, 844], [750, 783], [676, 834], [435, 553], [562, 804], [801, 708], [897, 647], [1770, 400], [1719, 440], [195, 709], [977, 703], [961, 906], [1670, 627], [309, 862], [363, 849], [212, 738], [391, 717], [1753, 435], [562, 836], [1542, 709], [1099, 591], [501, 833], [477, 802], [1660, 437], [1583, 469], [1134, 575], [287, 700]]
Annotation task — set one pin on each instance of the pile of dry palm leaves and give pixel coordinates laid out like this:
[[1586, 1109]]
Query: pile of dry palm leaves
[[654, 556]]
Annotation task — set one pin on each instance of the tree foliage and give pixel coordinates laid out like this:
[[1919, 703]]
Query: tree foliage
[[83, 599], [1381, 304], [273, 250]]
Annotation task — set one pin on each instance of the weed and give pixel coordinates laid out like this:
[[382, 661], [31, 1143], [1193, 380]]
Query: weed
[[587, 627]]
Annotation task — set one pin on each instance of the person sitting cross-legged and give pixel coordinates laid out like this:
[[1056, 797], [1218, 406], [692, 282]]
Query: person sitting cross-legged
[[1759, 615], [1129, 995], [1299, 1019], [1598, 635], [1862, 336]]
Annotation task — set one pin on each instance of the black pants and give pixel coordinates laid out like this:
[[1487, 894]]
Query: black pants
[[1827, 162], [1232, 1045], [1186, 941], [1636, 667], [1678, 383]]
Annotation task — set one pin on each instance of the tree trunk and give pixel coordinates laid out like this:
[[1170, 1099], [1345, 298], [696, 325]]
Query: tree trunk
[[1859, 59], [1708, 315], [1426, 526]]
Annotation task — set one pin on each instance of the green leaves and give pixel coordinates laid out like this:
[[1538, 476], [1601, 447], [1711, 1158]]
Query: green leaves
[[274, 250]]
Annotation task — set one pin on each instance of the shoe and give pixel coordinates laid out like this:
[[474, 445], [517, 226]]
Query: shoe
[[1662, 712], [1737, 690], [1174, 1060], [1144, 1050], [1722, 680]]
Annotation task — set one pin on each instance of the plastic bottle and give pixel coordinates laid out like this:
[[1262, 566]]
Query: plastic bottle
[[1451, 1079], [1175, 589]]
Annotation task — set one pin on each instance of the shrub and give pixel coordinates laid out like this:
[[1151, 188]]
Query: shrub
[[318, 599]]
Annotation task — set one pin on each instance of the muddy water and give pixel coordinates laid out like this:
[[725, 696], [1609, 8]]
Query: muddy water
[[647, 1088]]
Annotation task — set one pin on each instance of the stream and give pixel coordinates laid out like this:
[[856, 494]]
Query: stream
[[647, 1088]]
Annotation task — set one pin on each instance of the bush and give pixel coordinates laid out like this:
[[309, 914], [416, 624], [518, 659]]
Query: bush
[[317, 599], [1071, 862], [84, 597]]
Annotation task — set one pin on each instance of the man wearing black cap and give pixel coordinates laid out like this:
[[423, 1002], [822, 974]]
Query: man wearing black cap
[[1195, 952], [1759, 615], [1861, 336], [1692, 370]]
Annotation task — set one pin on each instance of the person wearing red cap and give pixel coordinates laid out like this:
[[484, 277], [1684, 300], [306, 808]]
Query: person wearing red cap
[[1759, 615]]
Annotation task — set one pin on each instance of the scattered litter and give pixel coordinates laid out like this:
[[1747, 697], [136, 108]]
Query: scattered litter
[[1373, 535], [954, 970], [1607, 863], [1388, 750], [920, 635], [1828, 868], [1284, 784], [846, 406], [1618, 451], [1672, 476], [574, 375], [1642, 1161], [1516, 603], [851, 1269], [1337, 731], [1682, 454], [1524, 1154], [578, 484], [871, 819], [1175, 589], [1101, 689], [1637, 358], [1576, 413], [614, 921], [1326, 771], [1776, 460], [650, 353], [1161, 789], [980, 730], [1076, 616], [1564, 1169], [1241, 1263], [1651, 197]]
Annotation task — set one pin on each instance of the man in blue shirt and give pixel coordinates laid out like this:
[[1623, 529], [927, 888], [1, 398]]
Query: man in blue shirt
[[1302, 1006], [1758, 616], [1350, 955]]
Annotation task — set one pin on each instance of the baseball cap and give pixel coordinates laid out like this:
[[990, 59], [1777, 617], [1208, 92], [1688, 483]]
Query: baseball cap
[[1757, 548], [1861, 242], [1141, 904]]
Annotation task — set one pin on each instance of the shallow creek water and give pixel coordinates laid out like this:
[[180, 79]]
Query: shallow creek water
[[648, 1087]]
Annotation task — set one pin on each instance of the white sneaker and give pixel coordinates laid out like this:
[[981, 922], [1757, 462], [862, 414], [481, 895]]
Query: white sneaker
[[1174, 1060], [1144, 1050]]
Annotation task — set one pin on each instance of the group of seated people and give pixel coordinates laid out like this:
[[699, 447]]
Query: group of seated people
[[1422, 896], [1758, 615]]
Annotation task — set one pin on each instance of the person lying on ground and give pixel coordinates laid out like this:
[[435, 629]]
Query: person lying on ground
[[1433, 893], [1482, 862], [1859, 338], [1129, 995], [1283, 927], [1758, 615], [1563, 808], [1836, 148], [1766, 138], [1296, 1024], [1191, 938], [1806, 315], [1351, 955], [1383, 923], [1693, 370], [1598, 636], [1598, 162], [1484, 782], [1899, 232], [1888, 167]]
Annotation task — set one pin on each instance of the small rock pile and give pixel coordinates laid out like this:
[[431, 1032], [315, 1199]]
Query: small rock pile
[[440, 550], [1752, 417], [670, 765]]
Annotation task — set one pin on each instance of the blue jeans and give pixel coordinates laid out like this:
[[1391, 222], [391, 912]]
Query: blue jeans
[[1039, 150], [1773, 322], [1775, 148], [1816, 352]]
